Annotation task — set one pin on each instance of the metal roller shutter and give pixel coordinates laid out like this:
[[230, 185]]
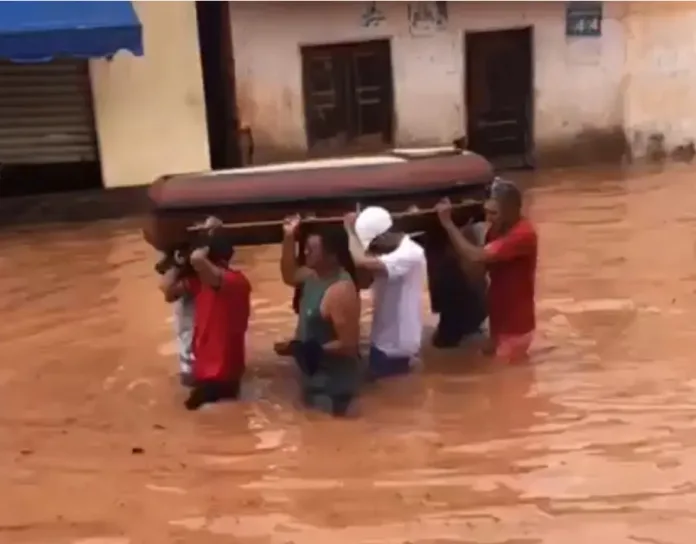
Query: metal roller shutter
[[46, 113]]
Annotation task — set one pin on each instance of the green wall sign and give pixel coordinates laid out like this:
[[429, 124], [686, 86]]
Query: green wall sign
[[583, 19]]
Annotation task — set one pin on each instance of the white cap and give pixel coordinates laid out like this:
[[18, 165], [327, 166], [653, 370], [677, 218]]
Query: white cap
[[370, 223]]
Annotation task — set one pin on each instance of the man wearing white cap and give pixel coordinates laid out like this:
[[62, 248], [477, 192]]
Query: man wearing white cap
[[398, 267]]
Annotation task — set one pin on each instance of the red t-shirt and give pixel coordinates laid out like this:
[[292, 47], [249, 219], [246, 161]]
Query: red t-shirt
[[219, 326], [511, 264]]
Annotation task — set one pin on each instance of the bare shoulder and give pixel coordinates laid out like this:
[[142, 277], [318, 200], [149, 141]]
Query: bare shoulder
[[343, 288], [342, 295]]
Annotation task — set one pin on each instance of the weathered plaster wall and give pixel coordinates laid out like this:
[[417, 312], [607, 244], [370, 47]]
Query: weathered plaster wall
[[660, 98], [578, 82]]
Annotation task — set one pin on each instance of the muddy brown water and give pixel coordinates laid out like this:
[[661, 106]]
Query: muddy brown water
[[594, 441]]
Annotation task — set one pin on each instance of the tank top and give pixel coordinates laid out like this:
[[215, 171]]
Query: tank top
[[337, 374]]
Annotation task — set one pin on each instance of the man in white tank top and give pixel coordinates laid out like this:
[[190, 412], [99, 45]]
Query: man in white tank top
[[397, 267]]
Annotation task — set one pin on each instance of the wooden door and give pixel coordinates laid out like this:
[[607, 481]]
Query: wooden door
[[499, 92]]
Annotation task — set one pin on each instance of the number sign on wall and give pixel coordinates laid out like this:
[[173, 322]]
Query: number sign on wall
[[584, 19]]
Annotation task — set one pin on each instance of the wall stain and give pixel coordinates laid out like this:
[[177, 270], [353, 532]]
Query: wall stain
[[260, 118], [655, 151], [651, 147], [685, 152], [246, 105], [591, 145]]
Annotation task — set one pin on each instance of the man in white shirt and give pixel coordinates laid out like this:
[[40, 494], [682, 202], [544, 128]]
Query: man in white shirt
[[397, 266]]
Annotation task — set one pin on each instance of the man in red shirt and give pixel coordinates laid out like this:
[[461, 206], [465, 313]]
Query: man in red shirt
[[509, 255], [222, 302]]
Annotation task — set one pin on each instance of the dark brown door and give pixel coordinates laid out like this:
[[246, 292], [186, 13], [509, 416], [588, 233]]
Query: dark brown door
[[348, 95], [499, 93], [372, 94], [326, 104]]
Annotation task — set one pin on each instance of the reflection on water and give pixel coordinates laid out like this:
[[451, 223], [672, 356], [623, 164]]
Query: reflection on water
[[594, 440]]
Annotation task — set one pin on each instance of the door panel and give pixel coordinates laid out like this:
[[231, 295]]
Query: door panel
[[499, 92], [326, 116], [372, 93]]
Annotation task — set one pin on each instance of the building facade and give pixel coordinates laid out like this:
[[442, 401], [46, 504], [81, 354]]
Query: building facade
[[314, 77], [75, 115], [660, 78], [336, 78]]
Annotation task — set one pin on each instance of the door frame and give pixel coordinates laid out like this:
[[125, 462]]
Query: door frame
[[216, 54], [530, 152]]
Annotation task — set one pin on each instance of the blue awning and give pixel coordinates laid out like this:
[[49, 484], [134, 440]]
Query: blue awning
[[40, 31]]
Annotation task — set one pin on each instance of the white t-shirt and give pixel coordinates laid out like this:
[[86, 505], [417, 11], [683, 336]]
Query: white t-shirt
[[397, 322]]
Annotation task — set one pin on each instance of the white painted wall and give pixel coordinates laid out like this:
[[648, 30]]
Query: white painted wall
[[266, 40], [578, 83], [661, 70], [150, 110]]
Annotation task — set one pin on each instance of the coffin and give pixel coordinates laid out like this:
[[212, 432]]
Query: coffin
[[253, 201]]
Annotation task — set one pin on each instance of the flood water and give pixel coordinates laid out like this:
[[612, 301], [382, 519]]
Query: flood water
[[594, 441]]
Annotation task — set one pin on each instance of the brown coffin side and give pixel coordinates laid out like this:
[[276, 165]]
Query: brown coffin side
[[165, 231], [179, 201], [203, 189]]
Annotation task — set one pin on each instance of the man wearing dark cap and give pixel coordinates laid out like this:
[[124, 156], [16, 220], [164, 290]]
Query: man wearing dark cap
[[510, 258], [222, 301]]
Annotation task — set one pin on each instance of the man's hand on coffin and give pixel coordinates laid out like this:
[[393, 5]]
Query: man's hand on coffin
[[349, 221], [444, 211], [291, 224], [212, 223]]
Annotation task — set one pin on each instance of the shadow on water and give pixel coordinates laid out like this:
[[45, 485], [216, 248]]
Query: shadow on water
[[592, 441]]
